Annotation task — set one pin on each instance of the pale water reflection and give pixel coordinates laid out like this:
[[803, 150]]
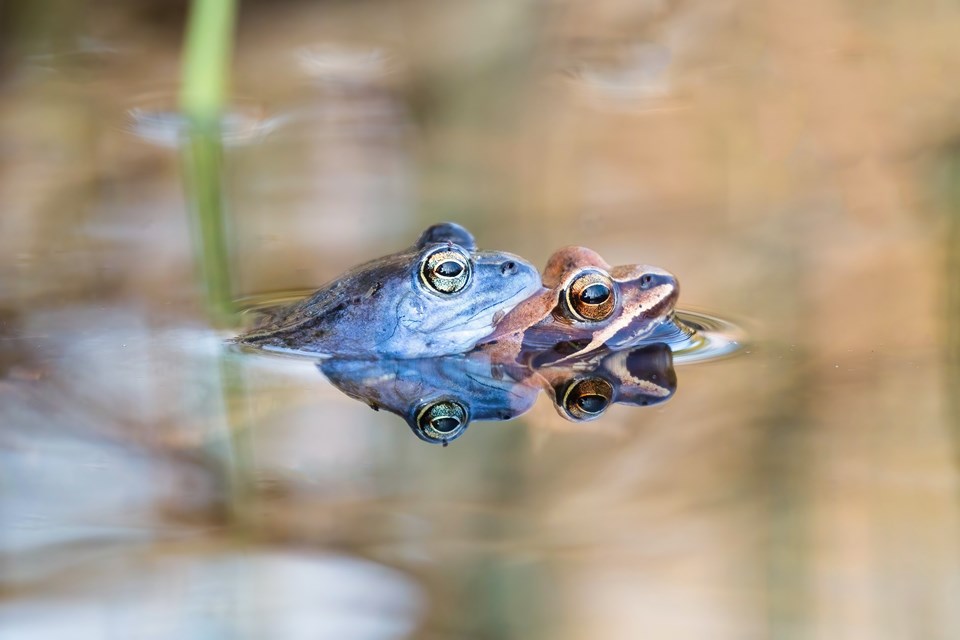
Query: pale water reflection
[[199, 589]]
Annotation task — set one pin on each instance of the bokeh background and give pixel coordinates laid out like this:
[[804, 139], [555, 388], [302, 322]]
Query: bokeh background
[[796, 164]]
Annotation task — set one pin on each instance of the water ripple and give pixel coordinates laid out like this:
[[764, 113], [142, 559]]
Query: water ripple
[[159, 122], [693, 337], [699, 337]]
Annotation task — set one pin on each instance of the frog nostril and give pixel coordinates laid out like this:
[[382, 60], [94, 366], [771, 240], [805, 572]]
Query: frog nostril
[[508, 268]]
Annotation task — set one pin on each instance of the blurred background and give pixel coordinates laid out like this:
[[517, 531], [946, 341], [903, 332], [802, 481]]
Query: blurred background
[[797, 165]]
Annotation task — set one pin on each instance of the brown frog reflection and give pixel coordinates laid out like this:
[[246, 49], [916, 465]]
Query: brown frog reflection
[[583, 391], [439, 397]]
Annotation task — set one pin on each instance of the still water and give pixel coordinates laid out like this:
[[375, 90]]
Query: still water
[[794, 165]]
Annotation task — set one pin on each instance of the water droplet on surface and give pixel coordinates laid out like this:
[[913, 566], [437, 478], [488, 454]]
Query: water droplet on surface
[[634, 71], [344, 64]]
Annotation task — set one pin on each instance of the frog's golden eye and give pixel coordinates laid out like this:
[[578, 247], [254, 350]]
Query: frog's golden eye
[[446, 271], [585, 399], [442, 420], [591, 296]]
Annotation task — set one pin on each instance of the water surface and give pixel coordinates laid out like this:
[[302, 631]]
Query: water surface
[[793, 165]]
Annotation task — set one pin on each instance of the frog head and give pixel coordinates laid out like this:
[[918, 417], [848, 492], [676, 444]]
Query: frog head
[[586, 303]]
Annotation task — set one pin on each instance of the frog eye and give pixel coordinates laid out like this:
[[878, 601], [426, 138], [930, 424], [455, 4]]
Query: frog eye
[[442, 421], [591, 296], [585, 399], [446, 271]]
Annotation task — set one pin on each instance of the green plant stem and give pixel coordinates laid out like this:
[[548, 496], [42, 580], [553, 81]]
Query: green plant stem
[[206, 59], [206, 70]]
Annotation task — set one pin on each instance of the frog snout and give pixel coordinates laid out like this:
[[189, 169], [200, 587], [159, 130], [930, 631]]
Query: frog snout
[[505, 276], [651, 280]]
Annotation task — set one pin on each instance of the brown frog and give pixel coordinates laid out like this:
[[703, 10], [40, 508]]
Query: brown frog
[[585, 305]]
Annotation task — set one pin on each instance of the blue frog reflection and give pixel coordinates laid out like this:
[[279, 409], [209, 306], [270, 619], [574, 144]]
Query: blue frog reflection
[[439, 397]]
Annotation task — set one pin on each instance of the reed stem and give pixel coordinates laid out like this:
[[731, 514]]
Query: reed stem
[[206, 70]]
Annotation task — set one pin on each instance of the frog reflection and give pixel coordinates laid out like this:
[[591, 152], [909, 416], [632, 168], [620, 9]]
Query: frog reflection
[[584, 390], [439, 397], [438, 297]]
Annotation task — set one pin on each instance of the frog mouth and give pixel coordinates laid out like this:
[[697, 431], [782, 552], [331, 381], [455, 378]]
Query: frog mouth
[[504, 306], [481, 323]]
